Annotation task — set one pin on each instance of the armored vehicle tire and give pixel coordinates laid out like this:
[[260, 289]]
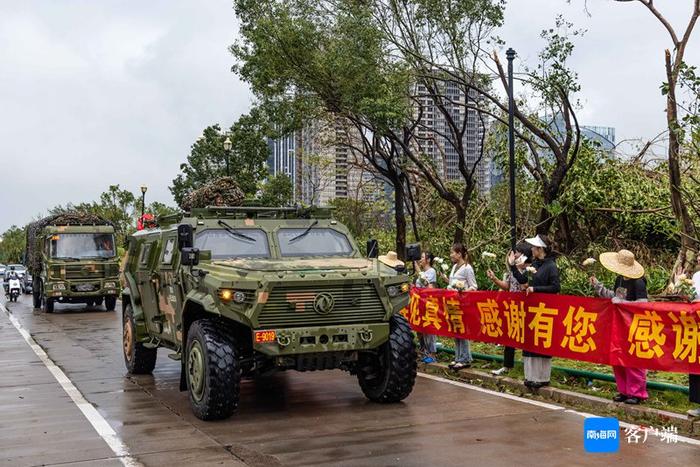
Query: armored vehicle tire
[[111, 302], [36, 296], [98, 301], [212, 371], [139, 360], [389, 374]]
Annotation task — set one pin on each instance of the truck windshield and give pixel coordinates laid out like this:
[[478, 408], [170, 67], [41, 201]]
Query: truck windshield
[[244, 243], [82, 245], [313, 242]]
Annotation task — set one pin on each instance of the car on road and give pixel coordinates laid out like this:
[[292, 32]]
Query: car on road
[[2, 270], [27, 283], [235, 292]]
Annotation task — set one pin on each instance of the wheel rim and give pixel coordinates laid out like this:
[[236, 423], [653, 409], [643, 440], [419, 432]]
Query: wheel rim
[[195, 370], [128, 340]]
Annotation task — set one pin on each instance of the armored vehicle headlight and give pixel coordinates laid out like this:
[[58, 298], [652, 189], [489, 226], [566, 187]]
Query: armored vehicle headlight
[[110, 285], [393, 291], [239, 297], [405, 287], [59, 286], [226, 295]]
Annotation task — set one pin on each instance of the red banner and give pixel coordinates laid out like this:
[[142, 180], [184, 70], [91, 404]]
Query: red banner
[[656, 336]]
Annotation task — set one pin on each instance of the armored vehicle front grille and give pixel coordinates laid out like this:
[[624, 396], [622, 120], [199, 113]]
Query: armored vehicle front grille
[[294, 306], [85, 271]]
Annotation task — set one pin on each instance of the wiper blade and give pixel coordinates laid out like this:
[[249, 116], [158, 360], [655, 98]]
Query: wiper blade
[[233, 232], [305, 232], [67, 258]]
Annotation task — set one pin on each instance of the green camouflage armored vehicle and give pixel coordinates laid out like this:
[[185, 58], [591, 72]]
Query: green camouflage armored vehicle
[[240, 292], [73, 259]]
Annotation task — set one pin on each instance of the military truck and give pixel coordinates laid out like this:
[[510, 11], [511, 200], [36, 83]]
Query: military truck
[[234, 292], [73, 259]]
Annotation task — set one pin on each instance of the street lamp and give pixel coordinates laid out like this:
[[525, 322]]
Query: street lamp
[[144, 189], [227, 147]]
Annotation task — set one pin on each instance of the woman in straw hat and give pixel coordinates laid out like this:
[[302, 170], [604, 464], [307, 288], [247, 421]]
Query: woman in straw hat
[[545, 279], [630, 286]]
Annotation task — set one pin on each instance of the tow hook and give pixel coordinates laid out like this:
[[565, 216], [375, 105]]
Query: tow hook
[[366, 335], [283, 340]]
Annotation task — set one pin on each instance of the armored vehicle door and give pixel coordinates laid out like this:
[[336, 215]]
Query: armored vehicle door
[[168, 286], [147, 279]]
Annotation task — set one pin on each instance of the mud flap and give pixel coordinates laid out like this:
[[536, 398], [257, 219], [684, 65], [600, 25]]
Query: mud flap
[[183, 380]]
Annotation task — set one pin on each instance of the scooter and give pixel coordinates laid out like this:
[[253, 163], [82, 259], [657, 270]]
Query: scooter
[[14, 289]]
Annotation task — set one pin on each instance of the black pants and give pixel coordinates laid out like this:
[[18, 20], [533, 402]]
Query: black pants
[[694, 389]]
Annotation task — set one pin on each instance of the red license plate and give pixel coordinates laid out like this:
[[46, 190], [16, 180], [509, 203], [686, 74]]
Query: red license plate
[[265, 336]]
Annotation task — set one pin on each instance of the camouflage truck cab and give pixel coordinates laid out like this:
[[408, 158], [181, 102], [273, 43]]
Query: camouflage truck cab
[[74, 263], [238, 292]]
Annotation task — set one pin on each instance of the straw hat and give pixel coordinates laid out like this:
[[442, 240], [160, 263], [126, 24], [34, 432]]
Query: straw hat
[[623, 263], [391, 259]]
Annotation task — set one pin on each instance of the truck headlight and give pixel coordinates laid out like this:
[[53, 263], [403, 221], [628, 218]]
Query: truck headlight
[[227, 295], [395, 290], [110, 285], [59, 286]]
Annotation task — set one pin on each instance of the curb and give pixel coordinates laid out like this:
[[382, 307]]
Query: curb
[[629, 413]]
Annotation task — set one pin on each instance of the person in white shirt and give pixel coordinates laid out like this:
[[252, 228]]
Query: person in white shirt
[[461, 278], [427, 279]]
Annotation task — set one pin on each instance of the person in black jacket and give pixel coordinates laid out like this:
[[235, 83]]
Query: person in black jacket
[[545, 279]]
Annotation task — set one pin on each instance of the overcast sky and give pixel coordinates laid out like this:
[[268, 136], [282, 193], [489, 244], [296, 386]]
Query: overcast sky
[[94, 93]]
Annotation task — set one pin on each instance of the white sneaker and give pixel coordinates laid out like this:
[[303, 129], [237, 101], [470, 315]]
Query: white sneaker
[[500, 371]]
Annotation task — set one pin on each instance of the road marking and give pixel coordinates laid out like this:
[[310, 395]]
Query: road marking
[[545, 405], [101, 426]]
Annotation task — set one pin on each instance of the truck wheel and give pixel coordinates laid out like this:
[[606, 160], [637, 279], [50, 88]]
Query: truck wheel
[[212, 371], [389, 374], [139, 360], [110, 302], [98, 301], [48, 305], [36, 295]]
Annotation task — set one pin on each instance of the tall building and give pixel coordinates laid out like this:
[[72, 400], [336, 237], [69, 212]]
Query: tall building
[[330, 169], [604, 135], [435, 134]]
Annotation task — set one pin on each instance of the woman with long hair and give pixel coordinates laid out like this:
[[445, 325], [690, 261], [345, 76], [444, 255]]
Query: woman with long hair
[[461, 278]]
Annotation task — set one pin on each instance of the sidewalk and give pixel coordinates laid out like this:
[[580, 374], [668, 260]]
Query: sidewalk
[[39, 423]]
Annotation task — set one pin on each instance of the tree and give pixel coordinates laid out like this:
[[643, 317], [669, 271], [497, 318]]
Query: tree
[[674, 66], [208, 159], [276, 191], [12, 244]]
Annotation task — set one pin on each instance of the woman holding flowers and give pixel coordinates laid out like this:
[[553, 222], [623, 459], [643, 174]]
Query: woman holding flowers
[[461, 278], [630, 286]]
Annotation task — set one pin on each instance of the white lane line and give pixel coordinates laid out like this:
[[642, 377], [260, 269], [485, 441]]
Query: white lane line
[[545, 405], [101, 426]]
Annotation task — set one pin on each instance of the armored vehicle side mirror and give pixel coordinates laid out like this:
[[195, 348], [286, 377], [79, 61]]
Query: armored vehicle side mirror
[[372, 248], [184, 236], [413, 252], [190, 256]]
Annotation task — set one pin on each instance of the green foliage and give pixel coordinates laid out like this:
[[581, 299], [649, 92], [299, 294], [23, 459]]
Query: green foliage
[[208, 159], [12, 245], [366, 220], [276, 191]]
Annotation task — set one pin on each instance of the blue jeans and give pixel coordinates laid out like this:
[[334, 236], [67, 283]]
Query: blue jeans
[[463, 354], [427, 343]]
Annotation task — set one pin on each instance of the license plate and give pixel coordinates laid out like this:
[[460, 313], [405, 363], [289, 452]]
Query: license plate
[[84, 287], [265, 336]]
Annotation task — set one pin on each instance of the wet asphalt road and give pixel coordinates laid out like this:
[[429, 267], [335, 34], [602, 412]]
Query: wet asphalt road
[[318, 418]]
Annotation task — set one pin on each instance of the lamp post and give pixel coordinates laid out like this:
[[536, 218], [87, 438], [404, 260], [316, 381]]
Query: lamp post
[[227, 147], [144, 189], [509, 352]]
